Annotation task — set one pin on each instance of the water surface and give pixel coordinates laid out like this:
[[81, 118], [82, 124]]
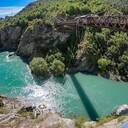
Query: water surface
[[73, 95]]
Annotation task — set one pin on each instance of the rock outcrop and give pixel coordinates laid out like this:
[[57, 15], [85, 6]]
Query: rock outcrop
[[10, 37], [1, 103], [122, 110], [41, 38], [84, 65], [18, 114]]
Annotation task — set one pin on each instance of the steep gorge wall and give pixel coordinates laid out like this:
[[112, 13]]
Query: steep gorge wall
[[39, 39], [10, 37], [32, 41]]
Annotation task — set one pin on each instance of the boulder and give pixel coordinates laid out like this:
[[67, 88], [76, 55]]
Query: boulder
[[91, 124], [83, 65], [27, 109], [122, 110]]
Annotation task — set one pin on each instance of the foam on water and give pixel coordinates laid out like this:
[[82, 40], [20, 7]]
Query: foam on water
[[55, 95]]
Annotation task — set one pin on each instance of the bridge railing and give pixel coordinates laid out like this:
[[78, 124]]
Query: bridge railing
[[114, 22]]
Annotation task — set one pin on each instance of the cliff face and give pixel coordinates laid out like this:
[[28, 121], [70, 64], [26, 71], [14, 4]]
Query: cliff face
[[34, 41], [10, 37], [41, 38]]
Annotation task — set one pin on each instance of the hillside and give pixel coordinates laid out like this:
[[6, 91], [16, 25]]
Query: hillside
[[32, 34], [47, 10]]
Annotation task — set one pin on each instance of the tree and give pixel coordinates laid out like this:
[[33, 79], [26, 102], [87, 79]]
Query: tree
[[57, 67], [39, 66], [103, 64]]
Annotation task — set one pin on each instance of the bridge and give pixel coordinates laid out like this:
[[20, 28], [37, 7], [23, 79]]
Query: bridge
[[114, 22]]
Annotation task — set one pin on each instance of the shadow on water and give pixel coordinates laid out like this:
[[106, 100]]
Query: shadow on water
[[85, 100]]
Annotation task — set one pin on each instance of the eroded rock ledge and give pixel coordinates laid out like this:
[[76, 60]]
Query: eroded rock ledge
[[15, 114]]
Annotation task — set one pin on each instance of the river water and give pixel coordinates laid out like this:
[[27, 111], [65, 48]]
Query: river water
[[73, 95]]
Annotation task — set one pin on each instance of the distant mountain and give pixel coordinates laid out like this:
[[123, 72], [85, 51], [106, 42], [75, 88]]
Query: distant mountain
[[1, 18], [28, 6]]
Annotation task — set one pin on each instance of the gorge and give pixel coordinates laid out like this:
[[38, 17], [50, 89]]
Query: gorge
[[77, 73]]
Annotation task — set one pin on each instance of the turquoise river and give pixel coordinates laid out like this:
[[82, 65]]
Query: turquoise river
[[73, 95]]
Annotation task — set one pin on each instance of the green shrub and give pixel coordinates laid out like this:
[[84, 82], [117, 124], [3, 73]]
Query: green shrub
[[50, 59], [120, 40], [35, 21], [103, 64], [52, 64], [57, 67], [39, 66], [57, 55], [123, 65], [109, 49]]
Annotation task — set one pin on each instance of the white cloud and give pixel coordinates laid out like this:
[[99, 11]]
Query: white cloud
[[9, 11]]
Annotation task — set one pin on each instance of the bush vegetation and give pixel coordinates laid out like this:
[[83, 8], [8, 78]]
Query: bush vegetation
[[110, 50], [46, 10], [39, 66], [57, 67], [103, 64], [52, 64]]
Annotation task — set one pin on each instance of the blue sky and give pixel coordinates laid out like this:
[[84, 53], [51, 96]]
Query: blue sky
[[11, 7]]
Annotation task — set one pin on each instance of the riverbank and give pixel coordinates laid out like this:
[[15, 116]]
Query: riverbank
[[17, 114]]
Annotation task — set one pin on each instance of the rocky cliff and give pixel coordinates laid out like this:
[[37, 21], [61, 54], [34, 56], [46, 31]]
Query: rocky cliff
[[10, 37], [33, 41], [40, 39]]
